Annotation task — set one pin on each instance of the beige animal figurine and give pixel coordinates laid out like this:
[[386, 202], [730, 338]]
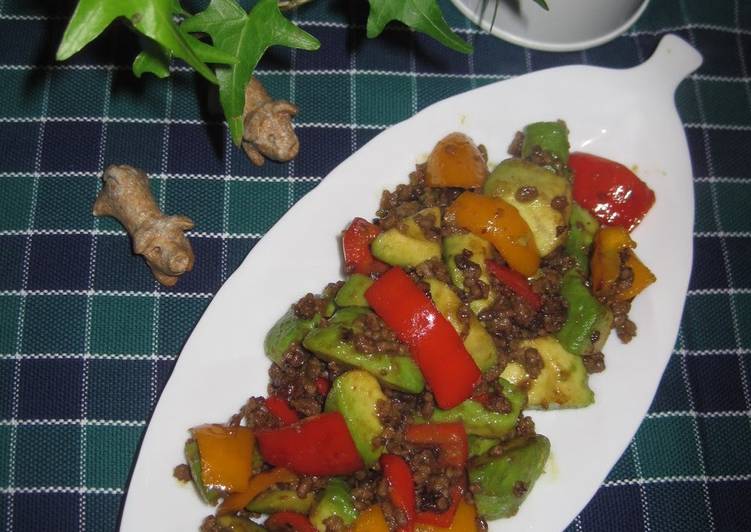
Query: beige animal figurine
[[160, 239], [268, 126]]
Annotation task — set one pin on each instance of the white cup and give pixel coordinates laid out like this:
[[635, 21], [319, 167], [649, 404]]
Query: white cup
[[570, 25]]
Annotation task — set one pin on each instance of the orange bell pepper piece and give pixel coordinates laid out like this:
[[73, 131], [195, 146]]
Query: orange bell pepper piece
[[371, 520], [226, 456], [257, 485], [498, 222], [455, 162], [464, 520], [606, 263]]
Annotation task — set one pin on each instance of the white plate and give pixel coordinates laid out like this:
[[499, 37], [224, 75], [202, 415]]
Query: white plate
[[628, 115], [568, 26]]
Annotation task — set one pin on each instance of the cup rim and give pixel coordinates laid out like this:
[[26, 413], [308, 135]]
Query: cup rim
[[545, 46]]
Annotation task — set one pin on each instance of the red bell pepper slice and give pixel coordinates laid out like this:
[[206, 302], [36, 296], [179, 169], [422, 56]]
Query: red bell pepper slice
[[323, 385], [610, 191], [451, 438], [318, 445], [443, 519], [433, 342], [401, 486], [281, 409], [298, 522], [516, 282], [356, 247]]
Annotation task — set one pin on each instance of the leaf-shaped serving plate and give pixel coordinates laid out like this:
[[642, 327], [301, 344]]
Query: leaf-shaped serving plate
[[627, 115]]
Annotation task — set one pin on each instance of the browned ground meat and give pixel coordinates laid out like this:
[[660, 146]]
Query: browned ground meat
[[594, 363], [526, 193], [310, 304], [429, 226], [334, 524], [257, 416], [433, 268], [474, 287], [373, 336], [490, 390], [530, 358], [525, 427], [559, 203], [181, 472], [624, 327], [515, 148], [295, 380], [519, 489]]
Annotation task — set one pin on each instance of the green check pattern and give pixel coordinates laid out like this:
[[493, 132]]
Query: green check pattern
[[88, 339]]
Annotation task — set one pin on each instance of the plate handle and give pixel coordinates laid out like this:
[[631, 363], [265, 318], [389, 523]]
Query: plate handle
[[672, 61]]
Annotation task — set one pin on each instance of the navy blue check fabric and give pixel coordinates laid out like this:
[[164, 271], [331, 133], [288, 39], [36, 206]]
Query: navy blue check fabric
[[88, 339]]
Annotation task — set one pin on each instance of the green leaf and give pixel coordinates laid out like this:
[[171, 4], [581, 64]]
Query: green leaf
[[153, 60], [246, 37], [543, 4], [152, 18], [421, 15]]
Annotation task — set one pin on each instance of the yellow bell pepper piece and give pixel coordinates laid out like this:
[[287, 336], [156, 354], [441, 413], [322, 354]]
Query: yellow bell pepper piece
[[464, 520], [371, 520], [226, 456], [455, 162], [498, 222], [258, 484], [606, 264]]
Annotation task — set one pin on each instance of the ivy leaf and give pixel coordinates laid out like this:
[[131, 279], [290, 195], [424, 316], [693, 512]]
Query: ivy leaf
[[421, 15], [246, 37], [152, 18]]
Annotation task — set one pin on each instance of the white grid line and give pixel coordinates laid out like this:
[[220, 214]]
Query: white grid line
[[115, 293], [157, 176], [81, 490], [64, 422], [678, 478], [22, 308], [94, 356]]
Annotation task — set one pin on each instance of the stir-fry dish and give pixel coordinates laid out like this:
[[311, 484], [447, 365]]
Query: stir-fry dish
[[396, 397]]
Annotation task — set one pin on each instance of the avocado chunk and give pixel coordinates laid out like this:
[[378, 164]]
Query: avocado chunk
[[285, 332], [234, 523], [562, 383], [406, 245], [550, 137], [478, 341], [481, 251], [352, 292], [355, 395], [588, 322], [193, 457], [336, 500], [329, 343], [546, 222], [506, 480], [273, 500], [479, 445], [483, 422], [580, 237]]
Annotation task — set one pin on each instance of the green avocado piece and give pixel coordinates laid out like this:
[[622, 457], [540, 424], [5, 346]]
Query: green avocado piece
[[288, 330], [478, 341], [588, 322], [542, 218], [347, 316], [551, 137], [193, 457], [562, 382], [580, 237], [355, 395], [406, 244], [272, 501], [352, 292], [481, 250], [395, 371], [482, 422], [479, 445], [234, 523], [500, 478], [336, 500]]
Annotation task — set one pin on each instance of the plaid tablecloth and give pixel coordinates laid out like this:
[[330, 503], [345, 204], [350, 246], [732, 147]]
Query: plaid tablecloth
[[88, 339]]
